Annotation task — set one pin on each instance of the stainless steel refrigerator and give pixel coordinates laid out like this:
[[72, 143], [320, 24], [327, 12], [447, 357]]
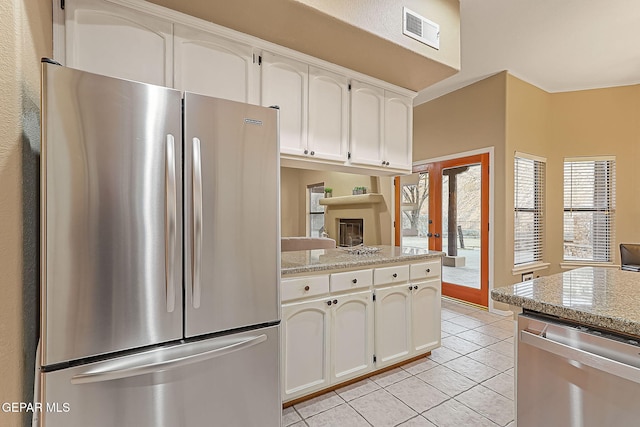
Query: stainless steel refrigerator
[[160, 256]]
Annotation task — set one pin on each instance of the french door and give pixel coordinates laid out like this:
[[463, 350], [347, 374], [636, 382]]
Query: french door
[[444, 206]]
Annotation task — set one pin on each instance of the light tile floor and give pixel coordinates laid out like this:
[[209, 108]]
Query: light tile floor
[[466, 382]]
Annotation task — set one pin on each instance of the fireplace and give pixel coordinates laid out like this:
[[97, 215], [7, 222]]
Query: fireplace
[[350, 231]]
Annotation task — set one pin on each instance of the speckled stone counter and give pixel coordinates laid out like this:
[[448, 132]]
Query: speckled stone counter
[[298, 262], [602, 297]]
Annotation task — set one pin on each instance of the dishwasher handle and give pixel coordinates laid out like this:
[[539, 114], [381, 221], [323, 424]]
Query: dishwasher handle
[[586, 358]]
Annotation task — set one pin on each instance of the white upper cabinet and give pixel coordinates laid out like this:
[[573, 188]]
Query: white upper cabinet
[[214, 66], [398, 131], [328, 115], [285, 84], [116, 41], [367, 121]]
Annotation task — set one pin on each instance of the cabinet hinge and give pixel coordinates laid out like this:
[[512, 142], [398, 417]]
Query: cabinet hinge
[[374, 358], [349, 155], [62, 4], [259, 59], [374, 297], [394, 224], [349, 86]]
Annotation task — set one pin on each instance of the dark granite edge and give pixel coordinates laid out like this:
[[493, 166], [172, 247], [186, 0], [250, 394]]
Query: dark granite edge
[[357, 263], [607, 322]]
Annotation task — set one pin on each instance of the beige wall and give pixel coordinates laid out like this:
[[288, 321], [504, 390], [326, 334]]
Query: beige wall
[[294, 196], [469, 119], [512, 115], [362, 36], [592, 123], [26, 36]]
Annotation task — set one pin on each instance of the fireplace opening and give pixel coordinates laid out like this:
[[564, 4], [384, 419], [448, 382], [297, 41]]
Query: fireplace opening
[[350, 231]]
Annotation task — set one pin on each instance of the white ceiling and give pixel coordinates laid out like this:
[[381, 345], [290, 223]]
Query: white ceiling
[[556, 45]]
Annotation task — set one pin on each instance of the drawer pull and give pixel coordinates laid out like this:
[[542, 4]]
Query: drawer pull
[[306, 288], [428, 270], [328, 302], [354, 281], [395, 275], [410, 287]]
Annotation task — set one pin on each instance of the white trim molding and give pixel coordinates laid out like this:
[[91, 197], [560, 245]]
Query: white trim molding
[[533, 266], [572, 265]]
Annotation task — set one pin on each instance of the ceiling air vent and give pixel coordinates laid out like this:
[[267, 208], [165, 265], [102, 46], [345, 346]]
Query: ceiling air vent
[[420, 28]]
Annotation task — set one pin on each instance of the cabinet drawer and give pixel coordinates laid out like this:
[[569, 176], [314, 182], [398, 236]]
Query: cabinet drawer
[[302, 287], [351, 280], [395, 274], [425, 270]]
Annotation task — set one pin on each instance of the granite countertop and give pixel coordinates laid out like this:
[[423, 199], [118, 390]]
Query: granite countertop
[[297, 262], [602, 297]]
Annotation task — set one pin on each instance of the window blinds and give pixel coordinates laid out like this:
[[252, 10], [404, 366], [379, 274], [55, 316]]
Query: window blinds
[[529, 175], [589, 207]]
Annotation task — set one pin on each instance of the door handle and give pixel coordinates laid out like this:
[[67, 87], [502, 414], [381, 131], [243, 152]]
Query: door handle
[[429, 234], [171, 206], [592, 360], [197, 222], [437, 235], [142, 364]]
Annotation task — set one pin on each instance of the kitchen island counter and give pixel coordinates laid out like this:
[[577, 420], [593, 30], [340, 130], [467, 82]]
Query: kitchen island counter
[[605, 298], [300, 262]]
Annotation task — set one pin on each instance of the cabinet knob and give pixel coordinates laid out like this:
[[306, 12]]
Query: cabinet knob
[[306, 151], [335, 301], [387, 163], [415, 287], [410, 287], [354, 281], [394, 275], [306, 288], [328, 302], [428, 270], [383, 163], [313, 153]]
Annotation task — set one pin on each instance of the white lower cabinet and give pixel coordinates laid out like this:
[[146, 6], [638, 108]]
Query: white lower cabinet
[[392, 324], [331, 339], [305, 352], [425, 316], [351, 336]]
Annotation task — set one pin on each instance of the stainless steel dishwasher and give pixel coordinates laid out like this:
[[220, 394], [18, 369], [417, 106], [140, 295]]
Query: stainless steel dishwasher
[[571, 375]]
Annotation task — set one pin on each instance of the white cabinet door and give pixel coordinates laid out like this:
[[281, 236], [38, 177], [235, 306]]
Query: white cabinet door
[[112, 40], [425, 316], [367, 122], [398, 131], [351, 336], [305, 352], [328, 115], [214, 66], [392, 324], [284, 83]]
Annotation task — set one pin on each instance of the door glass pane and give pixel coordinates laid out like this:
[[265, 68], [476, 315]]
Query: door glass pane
[[461, 215], [415, 210]]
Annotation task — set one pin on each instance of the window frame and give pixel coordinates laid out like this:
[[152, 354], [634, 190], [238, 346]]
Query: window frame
[[608, 211], [537, 242]]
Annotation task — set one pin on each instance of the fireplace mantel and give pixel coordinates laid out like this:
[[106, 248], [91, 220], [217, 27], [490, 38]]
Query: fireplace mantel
[[359, 199]]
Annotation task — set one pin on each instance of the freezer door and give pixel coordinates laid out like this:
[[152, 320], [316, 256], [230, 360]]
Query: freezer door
[[111, 216], [228, 381], [232, 221]]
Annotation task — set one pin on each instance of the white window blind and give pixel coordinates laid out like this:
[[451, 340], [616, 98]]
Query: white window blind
[[589, 208], [529, 175]]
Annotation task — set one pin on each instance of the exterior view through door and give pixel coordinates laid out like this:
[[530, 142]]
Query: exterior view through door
[[444, 206]]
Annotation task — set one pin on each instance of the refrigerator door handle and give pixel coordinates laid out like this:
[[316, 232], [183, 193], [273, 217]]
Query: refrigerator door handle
[[197, 222], [170, 224], [142, 364]]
